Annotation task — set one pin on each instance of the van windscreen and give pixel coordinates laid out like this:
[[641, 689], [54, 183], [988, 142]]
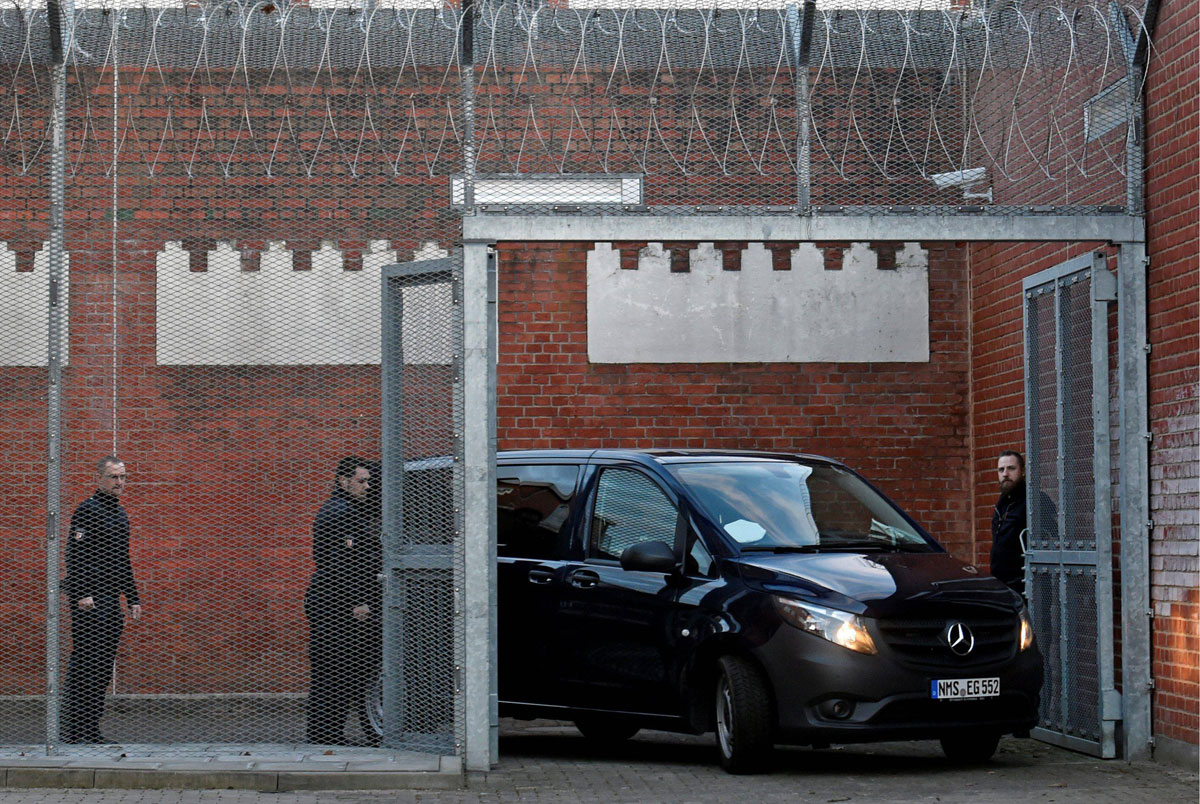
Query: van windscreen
[[781, 506]]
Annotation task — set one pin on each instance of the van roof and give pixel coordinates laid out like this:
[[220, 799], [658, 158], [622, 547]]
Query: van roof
[[662, 455]]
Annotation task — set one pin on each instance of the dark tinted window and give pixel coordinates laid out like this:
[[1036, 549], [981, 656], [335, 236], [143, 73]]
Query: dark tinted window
[[630, 508], [532, 503]]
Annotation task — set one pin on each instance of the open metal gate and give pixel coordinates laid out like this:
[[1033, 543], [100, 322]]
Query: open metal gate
[[1068, 573], [421, 701]]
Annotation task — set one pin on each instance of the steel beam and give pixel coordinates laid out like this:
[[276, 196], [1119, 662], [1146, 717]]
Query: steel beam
[[489, 227]]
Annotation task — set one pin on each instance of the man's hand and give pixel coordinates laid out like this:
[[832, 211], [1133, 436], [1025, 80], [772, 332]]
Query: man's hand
[[135, 611], [361, 612], [87, 603]]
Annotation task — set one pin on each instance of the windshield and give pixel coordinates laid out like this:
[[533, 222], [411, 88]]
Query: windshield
[[780, 506]]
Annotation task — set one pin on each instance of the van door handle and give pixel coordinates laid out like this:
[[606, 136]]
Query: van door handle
[[537, 575], [584, 579]]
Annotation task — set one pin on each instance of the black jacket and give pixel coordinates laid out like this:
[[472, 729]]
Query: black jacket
[[348, 556], [1009, 518], [98, 551]]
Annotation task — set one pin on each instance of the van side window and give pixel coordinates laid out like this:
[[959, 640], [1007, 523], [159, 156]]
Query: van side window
[[532, 503], [630, 509]]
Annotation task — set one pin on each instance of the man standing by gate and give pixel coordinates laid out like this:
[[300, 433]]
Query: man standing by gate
[[1009, 522], [98, 573], [343, 604]]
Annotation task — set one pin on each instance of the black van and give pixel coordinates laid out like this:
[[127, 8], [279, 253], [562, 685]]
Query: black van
[[773, 599]]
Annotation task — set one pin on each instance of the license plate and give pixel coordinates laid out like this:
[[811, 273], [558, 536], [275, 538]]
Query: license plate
[[961, 689]]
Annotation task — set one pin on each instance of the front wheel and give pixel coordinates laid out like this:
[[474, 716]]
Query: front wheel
[[970, 748], [744, 716]]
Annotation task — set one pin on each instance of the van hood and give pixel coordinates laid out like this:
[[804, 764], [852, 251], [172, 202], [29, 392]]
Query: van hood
[[876, 584]]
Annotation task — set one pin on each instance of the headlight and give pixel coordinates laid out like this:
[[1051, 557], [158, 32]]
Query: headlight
[[1026, 638], [840, 627]]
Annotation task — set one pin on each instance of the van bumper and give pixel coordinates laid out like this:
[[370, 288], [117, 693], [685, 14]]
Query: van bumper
[[884, 699]]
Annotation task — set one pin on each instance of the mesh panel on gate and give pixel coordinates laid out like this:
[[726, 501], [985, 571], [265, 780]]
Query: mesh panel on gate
[[1083, 704], [422, 508], [1042, 479], [1043, 594], [1078, 421]]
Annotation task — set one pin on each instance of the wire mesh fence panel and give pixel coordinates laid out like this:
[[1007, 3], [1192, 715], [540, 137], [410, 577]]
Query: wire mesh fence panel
[[419, 704], [237, 175], [1043, 594]]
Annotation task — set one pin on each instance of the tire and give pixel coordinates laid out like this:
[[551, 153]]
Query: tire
[[606, 729], [970, 748], [744, 717]]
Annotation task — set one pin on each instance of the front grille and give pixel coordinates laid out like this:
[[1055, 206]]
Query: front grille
[[921, 643]]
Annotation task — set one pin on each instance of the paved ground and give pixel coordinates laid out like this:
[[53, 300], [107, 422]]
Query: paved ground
[[546, 762]]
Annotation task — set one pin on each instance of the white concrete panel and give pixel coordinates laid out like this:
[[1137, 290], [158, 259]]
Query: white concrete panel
[[280, 316], [24, 309], [807, 314]]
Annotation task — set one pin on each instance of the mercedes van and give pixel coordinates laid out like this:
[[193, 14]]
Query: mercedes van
[[769, 598]]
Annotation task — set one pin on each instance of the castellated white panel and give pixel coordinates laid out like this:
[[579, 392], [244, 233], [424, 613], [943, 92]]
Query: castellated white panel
[[279, 316], [757, 315], [25, 309]]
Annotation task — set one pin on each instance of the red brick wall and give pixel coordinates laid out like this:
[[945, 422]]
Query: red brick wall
[[1172, 200], [903, 424]]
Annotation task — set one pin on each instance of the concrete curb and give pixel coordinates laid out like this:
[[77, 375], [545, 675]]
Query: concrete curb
[[256, 780]]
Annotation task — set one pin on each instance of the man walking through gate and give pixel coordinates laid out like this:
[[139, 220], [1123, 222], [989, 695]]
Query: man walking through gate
[[98, 573], [1009, 522], [343, 604]]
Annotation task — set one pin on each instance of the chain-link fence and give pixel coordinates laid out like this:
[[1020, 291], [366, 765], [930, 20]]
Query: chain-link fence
[[234, 178]]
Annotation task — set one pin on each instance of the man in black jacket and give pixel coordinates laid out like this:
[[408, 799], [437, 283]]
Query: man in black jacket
[[1009, 521], [342, 604], [98, 573]]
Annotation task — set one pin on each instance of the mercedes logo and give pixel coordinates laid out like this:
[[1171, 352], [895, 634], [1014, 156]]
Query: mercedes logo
[[960, 639]]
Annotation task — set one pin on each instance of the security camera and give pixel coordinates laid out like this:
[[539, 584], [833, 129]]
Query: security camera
[[964, 179], [958, 178]]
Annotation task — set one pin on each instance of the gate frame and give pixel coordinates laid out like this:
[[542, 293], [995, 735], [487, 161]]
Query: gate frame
[[1102, 289], [1127, 233]]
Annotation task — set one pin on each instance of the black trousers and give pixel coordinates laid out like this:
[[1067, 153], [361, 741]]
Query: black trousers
[[95, 635], [343, 657]]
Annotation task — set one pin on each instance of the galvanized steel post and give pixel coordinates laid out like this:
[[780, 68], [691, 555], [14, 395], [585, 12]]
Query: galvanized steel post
[[479, 519], [1135, 500], [57, 14]]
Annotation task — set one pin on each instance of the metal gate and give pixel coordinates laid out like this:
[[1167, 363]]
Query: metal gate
[[420, 707], [1068, 573]]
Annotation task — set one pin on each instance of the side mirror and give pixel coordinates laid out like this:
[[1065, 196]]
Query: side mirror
[[649, 557]]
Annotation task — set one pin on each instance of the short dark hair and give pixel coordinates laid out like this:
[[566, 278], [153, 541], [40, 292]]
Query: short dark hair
[[349, 465], [1020, 458], [107, 460]]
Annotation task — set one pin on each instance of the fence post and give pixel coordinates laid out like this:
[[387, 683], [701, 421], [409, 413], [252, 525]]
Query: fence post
[[58, 167]]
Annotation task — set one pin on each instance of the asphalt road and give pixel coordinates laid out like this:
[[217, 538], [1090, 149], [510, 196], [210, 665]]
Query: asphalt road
[[550, 762]]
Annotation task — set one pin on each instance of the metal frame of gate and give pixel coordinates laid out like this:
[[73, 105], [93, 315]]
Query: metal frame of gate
[[1068, 573], [483, 229], [423, 544]]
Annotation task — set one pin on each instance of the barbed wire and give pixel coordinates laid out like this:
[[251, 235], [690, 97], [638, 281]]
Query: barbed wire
[[894, 95]]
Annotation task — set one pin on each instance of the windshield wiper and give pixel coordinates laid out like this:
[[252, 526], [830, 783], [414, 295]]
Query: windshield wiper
[[878, 544], [782, 548]]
